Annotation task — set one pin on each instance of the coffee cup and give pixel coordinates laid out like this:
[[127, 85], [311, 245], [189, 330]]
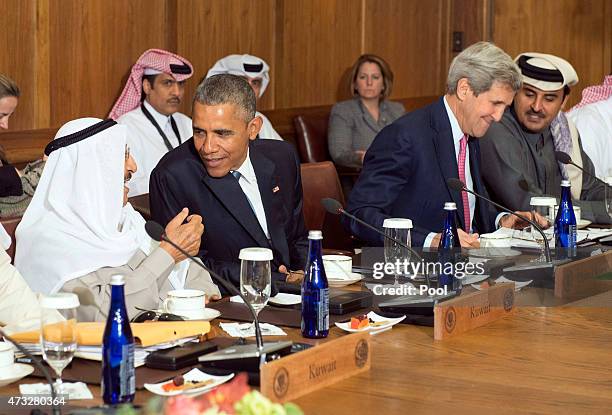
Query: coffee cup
[[491, 240], [338, 266], [577, 213], [7, 355], [185, 303]]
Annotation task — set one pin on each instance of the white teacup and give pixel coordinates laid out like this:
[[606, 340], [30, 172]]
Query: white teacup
[[7, 355], [185, 303], [491, 240], [338, 266]]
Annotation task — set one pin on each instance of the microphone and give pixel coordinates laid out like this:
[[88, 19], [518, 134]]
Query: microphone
[[54, 404], [458, 185], [564, 158], [234, 355], [335, 208]]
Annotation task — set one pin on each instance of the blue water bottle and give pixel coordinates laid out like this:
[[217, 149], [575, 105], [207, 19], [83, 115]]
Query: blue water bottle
[[315, 291], [565, 224], [448, 250], [118, 378]]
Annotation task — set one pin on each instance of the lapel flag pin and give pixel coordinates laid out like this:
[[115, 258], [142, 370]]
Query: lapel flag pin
[[276, 189]]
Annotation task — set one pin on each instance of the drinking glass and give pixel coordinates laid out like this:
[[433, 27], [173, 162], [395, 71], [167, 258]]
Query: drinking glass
[[58, 339], [399, 229], [256, 276], [545, 207], [608, 191]]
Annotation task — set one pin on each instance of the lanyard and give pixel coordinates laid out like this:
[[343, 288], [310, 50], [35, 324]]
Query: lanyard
[[159, 130]]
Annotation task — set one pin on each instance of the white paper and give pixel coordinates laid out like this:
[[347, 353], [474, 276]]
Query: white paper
[[248, 330], [75, 390]]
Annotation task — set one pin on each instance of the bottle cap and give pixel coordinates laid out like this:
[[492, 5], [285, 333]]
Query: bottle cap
[[397, 223], [543, 201], [60, 301], [565, 183], [450, 206], [315, 235], [117, 280], [256, 254]]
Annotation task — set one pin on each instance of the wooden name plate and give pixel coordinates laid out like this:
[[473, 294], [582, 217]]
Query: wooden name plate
[[301, 373], [469, 311], [576, 280]]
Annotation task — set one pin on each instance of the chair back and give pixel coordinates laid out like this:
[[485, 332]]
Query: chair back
[[311, 137], [320, 180], [10, 224]]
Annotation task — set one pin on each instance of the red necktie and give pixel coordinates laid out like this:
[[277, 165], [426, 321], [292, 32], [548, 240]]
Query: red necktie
[[464, 195]]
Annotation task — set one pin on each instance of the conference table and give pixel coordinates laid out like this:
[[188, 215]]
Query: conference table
[[540, 360]]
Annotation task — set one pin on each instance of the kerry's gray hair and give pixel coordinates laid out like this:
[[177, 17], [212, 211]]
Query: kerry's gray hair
[[482, 64], [227, 89]]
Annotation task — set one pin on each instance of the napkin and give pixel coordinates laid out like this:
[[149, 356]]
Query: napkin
[[76, 390], [248, 330], [146, 334]]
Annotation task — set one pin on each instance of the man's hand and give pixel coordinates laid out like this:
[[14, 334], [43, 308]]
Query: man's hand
[[467, 240], [512, 222], [186, 235], [294, 277]]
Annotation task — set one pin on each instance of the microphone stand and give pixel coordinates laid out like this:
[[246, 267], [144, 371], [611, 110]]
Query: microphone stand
[[452, 182], [54, 404], [235, 356], [565, 159]]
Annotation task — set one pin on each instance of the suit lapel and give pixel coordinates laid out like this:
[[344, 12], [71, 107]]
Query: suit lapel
[[229, 193], [445, 150], [269, 189]]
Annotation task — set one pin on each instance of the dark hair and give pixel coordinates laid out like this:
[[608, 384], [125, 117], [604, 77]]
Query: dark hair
[[151, 79], [385, 69], [227, 89], [8, 87]]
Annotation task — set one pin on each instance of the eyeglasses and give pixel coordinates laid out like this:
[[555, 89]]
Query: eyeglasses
[[148, 315]]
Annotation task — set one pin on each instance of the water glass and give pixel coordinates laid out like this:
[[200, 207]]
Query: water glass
[[545, 207], [256, 276], [398, 229], [58, 339]]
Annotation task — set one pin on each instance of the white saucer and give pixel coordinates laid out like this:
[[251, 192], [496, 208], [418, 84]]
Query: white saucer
[[205, 314], [583, 223], [195, 375], [14, 373], [342, 281], [285, 299]]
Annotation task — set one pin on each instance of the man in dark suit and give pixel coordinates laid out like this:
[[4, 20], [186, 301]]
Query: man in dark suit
[[406, 168], [248, 191]]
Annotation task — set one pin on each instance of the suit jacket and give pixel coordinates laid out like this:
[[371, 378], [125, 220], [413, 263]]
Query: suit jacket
[[180, 180], [404, 175]]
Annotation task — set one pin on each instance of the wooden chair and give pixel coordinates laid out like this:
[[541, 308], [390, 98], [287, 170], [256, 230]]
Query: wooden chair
[[320, 180]]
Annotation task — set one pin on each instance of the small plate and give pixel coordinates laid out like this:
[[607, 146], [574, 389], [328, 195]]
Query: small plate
[[195, 375], [390, 322], [336, 282], [517, 284], [583, 223], [14, 373], [207, 314], [285, 299], [493, 252]]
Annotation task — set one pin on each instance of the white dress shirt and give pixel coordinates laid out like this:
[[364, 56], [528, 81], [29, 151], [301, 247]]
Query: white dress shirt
[[469, 183], [146, 144], [248, 183]]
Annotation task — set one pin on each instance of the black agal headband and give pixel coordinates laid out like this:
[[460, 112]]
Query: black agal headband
[[78, 136], [535, 72]]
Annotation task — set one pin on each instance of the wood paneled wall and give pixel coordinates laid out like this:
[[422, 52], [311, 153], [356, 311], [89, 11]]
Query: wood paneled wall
[[71, 57], [579, 31]]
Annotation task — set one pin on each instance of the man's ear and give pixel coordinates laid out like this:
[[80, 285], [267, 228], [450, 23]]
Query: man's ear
[[146, 86], [463, 89], [254, 127]]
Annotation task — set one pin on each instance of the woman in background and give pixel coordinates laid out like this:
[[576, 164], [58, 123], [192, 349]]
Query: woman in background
[[353, 124], [16, 187]]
